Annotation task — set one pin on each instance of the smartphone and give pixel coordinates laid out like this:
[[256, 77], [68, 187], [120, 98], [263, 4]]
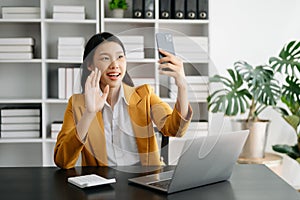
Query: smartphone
[[165, 41]]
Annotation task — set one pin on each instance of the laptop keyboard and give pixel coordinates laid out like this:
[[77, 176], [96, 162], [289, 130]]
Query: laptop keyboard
[[162, 184]]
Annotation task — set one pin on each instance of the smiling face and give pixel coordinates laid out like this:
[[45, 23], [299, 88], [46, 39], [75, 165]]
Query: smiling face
[[110, 59]]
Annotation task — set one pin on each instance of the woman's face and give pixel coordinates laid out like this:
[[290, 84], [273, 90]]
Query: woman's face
[[110, 59]]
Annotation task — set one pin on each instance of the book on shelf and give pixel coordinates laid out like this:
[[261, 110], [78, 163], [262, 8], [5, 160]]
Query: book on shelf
[[68, 8], [23, 119], [20, 134], [20, 15], [15, 55], [69, 82], [61, 83], [73, 53], [131, 39], [20, 126], [20, 9], [191, 43], [80, 41], [135, 55], [15, 48], [200, 96], [196, 87], [68, 16], [55, 128], [17, 41], [193, 79], [9, 112]]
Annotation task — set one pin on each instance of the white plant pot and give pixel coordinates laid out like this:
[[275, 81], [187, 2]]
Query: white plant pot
[[117, 13], [256, 142]]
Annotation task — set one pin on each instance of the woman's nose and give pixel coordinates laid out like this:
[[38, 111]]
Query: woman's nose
[[114, 65]]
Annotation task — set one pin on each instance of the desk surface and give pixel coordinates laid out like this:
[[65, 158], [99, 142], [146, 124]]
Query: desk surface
[[247, 182]]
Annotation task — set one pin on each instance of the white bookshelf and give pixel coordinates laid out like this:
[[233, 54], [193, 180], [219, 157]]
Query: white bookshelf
[[35, 81]]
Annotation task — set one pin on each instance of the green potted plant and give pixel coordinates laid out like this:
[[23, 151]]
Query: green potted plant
[[287, 64], [117, 7], [249, 90]]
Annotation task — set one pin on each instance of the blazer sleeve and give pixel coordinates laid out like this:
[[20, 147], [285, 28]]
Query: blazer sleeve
[[68, 146], [169, 121]]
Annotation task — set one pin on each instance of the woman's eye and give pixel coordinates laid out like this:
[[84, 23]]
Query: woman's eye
[[121, 56], [105, 58]]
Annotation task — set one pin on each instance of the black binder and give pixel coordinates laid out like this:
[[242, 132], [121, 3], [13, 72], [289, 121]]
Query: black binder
[[191, 9], [149, 9], [202, 9], [137, 9], [178, 9], [164, 9]]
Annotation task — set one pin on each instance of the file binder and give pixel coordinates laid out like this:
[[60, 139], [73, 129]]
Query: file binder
[[191, 9], [137, 9], [202, 9], [149, 9], [164, 9], [178, 9]]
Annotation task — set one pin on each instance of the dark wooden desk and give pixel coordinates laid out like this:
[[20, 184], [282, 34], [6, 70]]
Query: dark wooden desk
[[248, 182]]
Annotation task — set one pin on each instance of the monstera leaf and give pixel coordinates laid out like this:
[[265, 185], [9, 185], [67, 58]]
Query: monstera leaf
[[291, 151], [263, 87], [288, 59], [233, 98]]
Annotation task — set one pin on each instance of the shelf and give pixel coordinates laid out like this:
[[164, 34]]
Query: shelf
[[129, 20], [22, 61], [56, 101], [185, 21], [20, 101], [21, 140], [35, 81], [85, 21], [62, 61], [20, 20]]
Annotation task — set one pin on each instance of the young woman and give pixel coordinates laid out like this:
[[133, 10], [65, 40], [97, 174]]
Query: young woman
[[111, 123]]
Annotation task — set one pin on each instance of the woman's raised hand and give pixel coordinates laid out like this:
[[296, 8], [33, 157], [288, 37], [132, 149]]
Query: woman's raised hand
[[175, 66], [94, 102]]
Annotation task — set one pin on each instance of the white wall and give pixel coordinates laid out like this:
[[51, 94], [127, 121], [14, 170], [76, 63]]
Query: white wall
[[254, 30]]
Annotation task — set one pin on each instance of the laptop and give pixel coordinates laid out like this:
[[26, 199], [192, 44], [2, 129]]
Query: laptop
[[204, 160]]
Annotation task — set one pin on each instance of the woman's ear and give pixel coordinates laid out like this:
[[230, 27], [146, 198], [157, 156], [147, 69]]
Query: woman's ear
[[90, 67]]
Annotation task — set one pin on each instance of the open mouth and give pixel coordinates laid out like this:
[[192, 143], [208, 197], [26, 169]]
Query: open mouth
[[114, 75]]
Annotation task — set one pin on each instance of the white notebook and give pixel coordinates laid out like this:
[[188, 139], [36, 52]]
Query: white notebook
[[90, 180]]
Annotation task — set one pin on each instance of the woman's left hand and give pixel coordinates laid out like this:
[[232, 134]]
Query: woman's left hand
[[171, 65]]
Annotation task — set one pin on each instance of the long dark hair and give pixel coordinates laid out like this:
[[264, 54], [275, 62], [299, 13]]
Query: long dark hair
[[89, 51]]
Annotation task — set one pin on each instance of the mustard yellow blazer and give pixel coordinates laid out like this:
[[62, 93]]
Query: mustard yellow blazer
[[144, 107]]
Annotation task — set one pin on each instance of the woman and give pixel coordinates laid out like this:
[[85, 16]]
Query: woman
[[111, 123]]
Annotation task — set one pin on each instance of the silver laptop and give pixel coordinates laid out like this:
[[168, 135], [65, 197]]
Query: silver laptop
[[204, 160]]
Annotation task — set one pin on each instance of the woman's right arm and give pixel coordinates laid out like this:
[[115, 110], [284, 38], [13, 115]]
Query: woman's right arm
[[94, 102], [71, 138]]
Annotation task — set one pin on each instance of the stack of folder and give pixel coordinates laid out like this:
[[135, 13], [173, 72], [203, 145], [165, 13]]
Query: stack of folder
[[63, 12], [142, 81], [20, 123], [55, 128], [16, 48], [68, 82], [20, 12], [183, 9], [70, 48], [134, 46], [197, 88], [191, 48]]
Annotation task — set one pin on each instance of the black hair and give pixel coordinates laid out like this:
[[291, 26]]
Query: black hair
[[89, 51]]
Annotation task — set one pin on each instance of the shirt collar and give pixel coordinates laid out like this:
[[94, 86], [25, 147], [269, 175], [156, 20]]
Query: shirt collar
[[121, 95]]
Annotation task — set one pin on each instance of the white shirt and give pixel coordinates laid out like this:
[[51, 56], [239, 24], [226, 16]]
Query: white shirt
[[121, 144]]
